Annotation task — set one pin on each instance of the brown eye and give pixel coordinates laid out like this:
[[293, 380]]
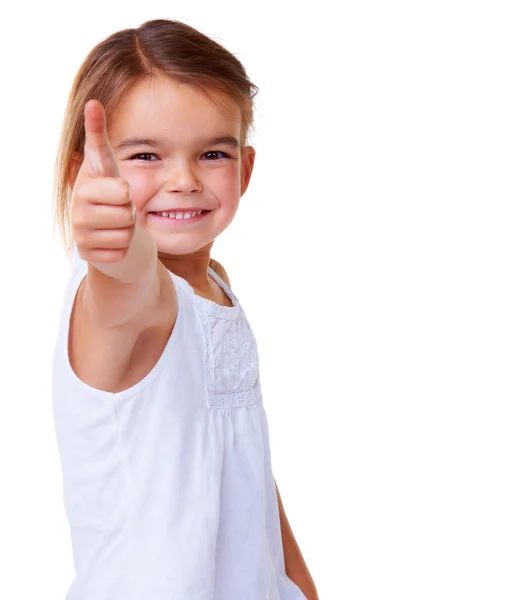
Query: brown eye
[[217, 152], [142, 154]]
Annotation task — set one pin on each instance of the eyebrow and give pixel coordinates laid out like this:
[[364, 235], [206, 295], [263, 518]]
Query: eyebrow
[[142, 141]]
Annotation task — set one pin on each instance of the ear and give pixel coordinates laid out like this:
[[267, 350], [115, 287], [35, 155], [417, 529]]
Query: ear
[[248, 158], [76, 161]]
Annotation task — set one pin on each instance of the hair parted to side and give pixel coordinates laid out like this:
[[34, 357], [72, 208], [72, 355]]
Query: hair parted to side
[[159, 47]]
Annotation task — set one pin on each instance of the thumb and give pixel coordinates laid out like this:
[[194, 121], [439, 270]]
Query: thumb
[[98, 153]]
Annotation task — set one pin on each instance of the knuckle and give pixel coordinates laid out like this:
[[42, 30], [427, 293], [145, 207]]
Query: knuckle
[[82, 217], [78, 217], [83, 248], [84, 193], [85, 254], [77, 221], [77, 195]]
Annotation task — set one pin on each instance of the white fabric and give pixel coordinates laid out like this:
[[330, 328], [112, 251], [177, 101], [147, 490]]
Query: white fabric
[[168, 485]]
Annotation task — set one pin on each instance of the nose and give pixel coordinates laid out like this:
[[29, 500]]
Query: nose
[[182, 178]]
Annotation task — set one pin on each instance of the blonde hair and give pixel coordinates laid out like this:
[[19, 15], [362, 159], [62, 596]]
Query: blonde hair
[[157, 48]]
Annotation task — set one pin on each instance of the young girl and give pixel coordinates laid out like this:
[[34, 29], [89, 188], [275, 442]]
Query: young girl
[[158, 412]]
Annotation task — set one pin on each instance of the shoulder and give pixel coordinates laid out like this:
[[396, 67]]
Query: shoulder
[[220, 270]]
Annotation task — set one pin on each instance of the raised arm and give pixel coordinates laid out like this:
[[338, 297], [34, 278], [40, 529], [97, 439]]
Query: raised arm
[[124, 278], [127, 299]]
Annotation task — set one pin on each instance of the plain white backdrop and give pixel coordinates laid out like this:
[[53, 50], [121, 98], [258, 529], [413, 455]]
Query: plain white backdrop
[[370, 254]]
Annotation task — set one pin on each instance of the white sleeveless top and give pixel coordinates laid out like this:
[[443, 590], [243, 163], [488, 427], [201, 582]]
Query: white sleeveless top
[[168, 485]]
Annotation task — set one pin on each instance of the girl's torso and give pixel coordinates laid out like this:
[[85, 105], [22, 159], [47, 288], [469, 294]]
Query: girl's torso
[[168, 485]]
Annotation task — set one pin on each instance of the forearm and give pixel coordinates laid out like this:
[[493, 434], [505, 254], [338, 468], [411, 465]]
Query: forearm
[[295, 566]]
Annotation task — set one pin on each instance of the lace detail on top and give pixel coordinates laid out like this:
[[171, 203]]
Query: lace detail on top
[[232, 363]]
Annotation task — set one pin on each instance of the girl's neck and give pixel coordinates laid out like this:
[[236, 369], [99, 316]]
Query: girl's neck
[[192, 267]]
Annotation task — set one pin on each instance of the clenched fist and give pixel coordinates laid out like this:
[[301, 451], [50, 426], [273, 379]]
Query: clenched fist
[[102, 215]]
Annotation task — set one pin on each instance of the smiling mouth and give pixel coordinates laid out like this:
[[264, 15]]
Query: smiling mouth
[[177, 215]]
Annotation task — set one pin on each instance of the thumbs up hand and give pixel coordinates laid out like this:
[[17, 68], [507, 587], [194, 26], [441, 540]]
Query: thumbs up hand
[[103, 216]]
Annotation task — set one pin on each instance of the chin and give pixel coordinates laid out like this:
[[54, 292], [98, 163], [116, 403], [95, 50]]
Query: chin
[[182, 246]]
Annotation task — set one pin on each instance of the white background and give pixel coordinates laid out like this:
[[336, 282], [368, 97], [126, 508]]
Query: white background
[[370, 254]]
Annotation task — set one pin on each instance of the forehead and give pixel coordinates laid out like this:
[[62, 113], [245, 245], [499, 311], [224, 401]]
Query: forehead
[[163, 107]]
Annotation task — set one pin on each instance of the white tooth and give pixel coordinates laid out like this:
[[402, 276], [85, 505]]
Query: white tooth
[[179, 215], [172, 215], [187, 215], [164, 214]]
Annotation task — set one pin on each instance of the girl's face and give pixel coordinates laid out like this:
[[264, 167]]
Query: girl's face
[[180, 152]]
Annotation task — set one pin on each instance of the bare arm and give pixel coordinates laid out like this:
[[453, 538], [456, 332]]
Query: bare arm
[[294, 563], [126, 306]]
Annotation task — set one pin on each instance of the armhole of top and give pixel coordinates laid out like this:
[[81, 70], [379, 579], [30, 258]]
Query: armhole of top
[[77, 276]]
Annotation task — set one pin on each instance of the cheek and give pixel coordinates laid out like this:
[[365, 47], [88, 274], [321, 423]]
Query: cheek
[[141, 185], [226, 181]]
